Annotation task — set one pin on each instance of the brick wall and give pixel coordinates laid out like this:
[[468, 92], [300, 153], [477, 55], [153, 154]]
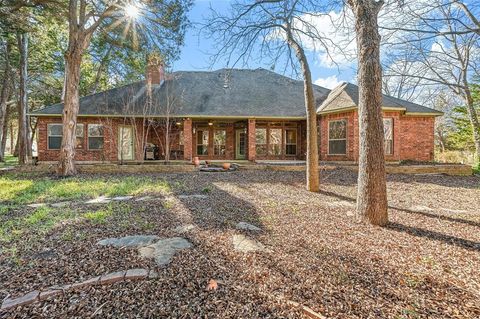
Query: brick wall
[[251, 140], [413, 137], [352, 133], [416, 138], [108, 153]]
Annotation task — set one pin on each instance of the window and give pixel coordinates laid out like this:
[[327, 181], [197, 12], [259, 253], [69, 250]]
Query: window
[[261, 141], [202, 142], [388, 135], [79, 136], [55, 133], [54, 136], [95, 136], [219, 139], [337, 137], [180, 138], [275, 141], [290, 142]]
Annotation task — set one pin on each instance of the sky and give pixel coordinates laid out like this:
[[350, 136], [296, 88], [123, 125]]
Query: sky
[[196, 52]]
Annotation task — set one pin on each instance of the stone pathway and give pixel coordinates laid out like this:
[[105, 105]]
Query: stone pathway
[[108, 279], [247, 226], [184, 228], [245, 244], [163, 250], [129, 241]]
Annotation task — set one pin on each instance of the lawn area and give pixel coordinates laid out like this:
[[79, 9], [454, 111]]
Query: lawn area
[[9, 161], [424, 264]]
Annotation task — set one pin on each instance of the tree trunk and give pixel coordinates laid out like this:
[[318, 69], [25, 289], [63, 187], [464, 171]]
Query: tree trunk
[[372, 192], [23, 100], [4, 133], [73, 59], [473, 116], [312, 174], [4, 95]]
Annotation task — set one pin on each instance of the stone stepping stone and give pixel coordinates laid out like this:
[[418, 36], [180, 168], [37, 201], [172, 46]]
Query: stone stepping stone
[[247, 226], [122, 198], [60, 204], [195, 196], [164, 250], [245, 244], [100, 200], [129, 241], [37, 205], [184, 228]]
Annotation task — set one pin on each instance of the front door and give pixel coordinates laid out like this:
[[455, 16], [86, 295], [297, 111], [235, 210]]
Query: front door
[[125, 143], [240, 143]]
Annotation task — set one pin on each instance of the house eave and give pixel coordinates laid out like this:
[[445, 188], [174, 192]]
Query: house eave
[[212, 117]]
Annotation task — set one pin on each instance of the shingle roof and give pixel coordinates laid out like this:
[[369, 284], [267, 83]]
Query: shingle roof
[[225, 92], [345, 96]]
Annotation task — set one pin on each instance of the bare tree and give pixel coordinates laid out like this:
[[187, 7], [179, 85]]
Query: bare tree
[[450, 59], [23, 140], [280, 31], [372, 190], [4, 96]]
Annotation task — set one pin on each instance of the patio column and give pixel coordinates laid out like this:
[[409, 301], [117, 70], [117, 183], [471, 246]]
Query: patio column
[[187, 139], [251, 140]]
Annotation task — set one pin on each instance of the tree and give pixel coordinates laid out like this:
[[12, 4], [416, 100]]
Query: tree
[[280, 31], [23, 127], [167, 19], [4, 96], [443, 54], [372, 191]]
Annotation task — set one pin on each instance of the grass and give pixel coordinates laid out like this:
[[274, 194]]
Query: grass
[[9, 161], [17, 189], [98, 217], [476, 169], [40, 221]]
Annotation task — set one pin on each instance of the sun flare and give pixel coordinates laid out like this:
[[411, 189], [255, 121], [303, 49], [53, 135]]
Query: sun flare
[[131, 11]]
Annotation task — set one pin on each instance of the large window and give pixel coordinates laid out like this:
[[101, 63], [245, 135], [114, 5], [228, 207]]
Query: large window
[[54, 136], [261, 141], [219, 139], [275, 141], [202, 142], [55, 133], [95, 136], [291, 142], [337, 137], [388, 135]]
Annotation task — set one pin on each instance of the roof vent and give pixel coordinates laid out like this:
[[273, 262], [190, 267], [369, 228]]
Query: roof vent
[[226, 80]]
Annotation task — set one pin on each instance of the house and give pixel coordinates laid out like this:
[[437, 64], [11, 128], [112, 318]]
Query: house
[[228, 114]]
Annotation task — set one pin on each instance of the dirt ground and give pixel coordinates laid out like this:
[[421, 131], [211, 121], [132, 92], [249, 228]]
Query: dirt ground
[[424, 264]]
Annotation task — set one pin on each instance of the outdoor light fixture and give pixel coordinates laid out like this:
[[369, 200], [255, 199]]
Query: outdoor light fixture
[[210, 123], [178, 123]]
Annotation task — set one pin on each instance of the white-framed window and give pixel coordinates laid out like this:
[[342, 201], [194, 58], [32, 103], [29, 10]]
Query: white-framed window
[[95, 136], [337, 137], [261, 141], [219, 142], [290, 142], [388, 135], [55, 134], [202, 141]]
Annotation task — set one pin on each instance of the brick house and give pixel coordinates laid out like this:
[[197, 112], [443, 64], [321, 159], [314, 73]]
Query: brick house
[[228, 115]]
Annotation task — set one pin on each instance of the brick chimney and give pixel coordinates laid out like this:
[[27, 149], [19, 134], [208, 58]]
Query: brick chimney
[[155, 69]]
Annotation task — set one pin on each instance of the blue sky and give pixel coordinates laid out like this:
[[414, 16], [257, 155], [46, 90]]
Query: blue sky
[[195, 53]]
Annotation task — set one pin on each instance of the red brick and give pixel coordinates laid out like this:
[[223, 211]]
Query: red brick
[[112, 277], [251, 140], [21, 301], [138, 273]]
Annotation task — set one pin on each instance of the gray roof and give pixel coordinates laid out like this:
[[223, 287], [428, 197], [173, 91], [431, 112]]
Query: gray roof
[[345, 97], [225, 92]]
